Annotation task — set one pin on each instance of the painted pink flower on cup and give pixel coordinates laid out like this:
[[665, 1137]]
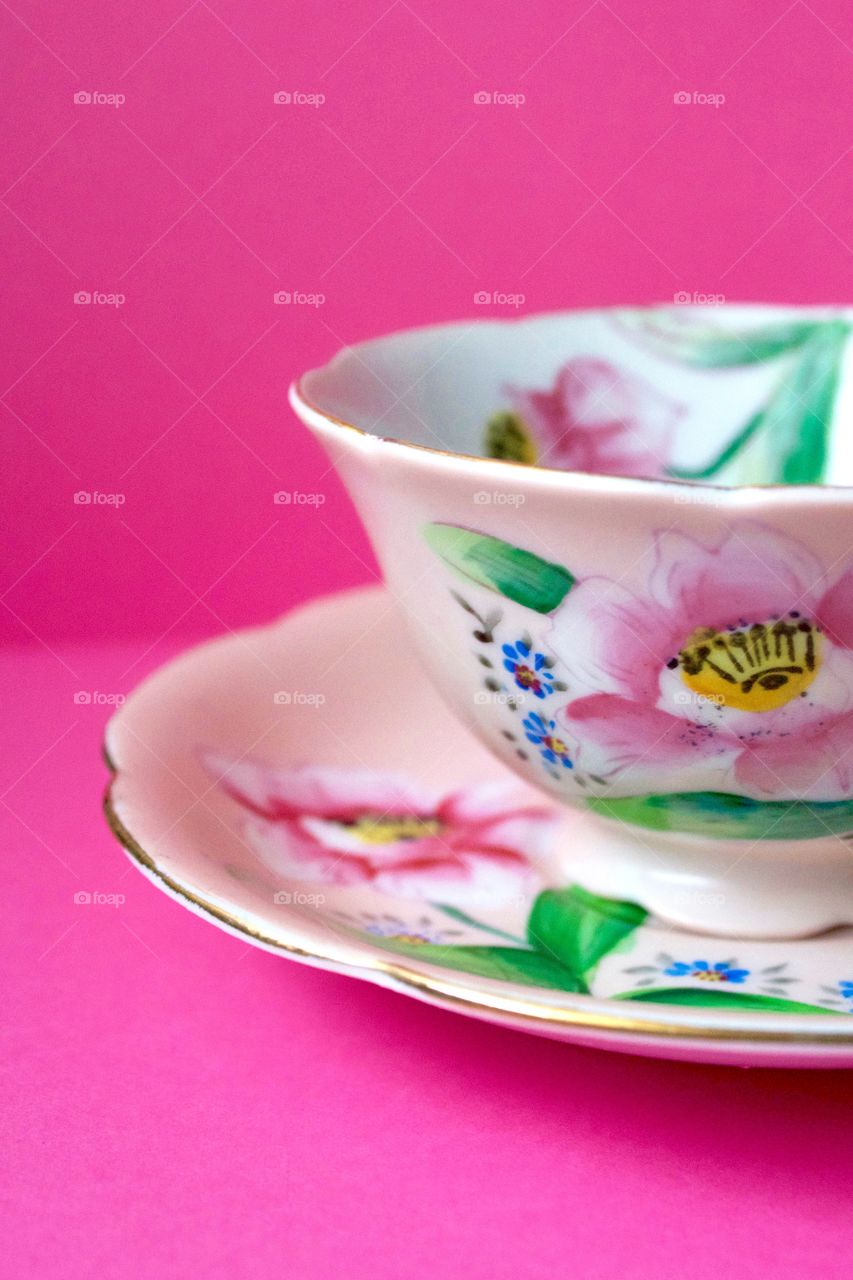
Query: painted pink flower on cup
[[600, 418], [349, 827], [734, 672]]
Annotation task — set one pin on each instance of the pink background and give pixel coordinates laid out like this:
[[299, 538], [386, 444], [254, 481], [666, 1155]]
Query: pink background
[[183, 1104]]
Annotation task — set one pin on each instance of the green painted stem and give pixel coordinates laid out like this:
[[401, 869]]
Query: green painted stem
[[463, 918]]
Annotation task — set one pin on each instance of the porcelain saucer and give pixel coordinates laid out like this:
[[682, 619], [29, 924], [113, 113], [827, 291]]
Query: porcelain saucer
[[302, 785]]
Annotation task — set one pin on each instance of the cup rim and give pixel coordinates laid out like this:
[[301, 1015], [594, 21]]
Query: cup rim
[[314, 414]]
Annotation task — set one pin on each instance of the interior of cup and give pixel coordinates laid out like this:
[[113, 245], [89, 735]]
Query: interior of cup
[[729, 395]]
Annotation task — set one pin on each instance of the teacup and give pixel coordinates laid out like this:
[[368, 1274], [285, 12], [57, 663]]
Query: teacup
[[624, 542]]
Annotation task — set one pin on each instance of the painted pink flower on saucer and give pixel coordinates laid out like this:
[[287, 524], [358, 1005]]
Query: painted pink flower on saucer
[[345, 827]]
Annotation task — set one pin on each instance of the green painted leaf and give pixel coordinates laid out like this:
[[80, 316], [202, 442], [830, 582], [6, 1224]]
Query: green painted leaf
[[463, 918], [712, 998], [795, 423], [578, 927], [729, 453], [729, 817], [508, 437], [676, 335], [516, 574], [504, 964], [799, 416]]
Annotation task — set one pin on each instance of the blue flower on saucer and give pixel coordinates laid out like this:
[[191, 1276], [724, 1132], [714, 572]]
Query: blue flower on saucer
[[528, 670], [543, 734], [723, 971]]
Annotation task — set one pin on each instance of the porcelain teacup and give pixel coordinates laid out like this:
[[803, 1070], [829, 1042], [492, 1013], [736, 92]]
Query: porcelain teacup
[[623, 540]]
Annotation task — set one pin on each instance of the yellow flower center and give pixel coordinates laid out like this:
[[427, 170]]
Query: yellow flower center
[[753, 667], [379, 830], [508, 437]]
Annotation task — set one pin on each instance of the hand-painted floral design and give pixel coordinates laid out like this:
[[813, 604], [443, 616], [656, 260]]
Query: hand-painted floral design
[[734, 671], [346, 827], [722, 971], [529, 670], [596, 417], [765, 981], [838, 996], [412, 937], [419, 932], [797, 417], [543, 734]]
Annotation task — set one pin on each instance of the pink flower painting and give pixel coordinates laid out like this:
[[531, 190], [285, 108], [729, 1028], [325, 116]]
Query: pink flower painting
[[733, 671], [598, 417], [347, 827]]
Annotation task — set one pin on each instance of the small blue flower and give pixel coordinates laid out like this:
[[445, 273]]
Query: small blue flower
[[399, 933], [529, 672], [543, 734], [845, 987], [720, 972]]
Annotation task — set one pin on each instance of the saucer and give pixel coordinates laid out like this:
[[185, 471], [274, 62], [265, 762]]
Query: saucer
[[301, 785]]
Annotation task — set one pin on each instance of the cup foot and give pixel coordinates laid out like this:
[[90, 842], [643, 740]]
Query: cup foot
[[731, 888]]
